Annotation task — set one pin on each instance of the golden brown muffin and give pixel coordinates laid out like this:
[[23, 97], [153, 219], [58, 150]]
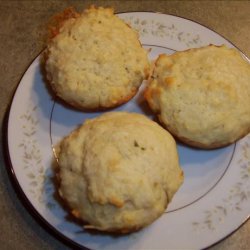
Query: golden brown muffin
[[118, 172], [202, 95], [95, 60]]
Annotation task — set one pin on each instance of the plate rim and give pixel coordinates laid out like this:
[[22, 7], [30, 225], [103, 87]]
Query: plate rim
[[15, 182], [22, 197], [188, 19]]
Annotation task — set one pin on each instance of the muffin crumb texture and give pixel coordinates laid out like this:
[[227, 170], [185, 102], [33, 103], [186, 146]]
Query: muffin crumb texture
[[95, 60], [118, 172], [202, 95]]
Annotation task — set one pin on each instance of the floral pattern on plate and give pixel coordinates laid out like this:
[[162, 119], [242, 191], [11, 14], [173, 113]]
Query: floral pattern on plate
[[36, 121]]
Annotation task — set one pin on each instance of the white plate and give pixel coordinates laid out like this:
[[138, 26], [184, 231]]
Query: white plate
[[214, 199]]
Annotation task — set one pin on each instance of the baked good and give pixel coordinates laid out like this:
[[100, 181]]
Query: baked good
[[118, 172], [95, 60], [202, 95]]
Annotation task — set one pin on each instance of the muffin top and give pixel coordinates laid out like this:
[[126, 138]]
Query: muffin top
[[119, 171], [202, 95], [95, 60]]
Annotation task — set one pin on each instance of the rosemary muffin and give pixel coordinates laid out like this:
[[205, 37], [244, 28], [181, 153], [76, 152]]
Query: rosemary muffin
[[118, 172], [202, 95], [95, 60]]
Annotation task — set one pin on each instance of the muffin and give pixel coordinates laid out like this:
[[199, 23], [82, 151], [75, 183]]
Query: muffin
[[202, 95], [118, 172], [95, 60]]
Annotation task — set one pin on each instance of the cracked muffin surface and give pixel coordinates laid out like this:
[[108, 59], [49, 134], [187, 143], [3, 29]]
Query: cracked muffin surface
[[95, 60], [202, 95], [118, 172]]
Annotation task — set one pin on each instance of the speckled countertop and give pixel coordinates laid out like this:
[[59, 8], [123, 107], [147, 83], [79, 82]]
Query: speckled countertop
[[22, 32]]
